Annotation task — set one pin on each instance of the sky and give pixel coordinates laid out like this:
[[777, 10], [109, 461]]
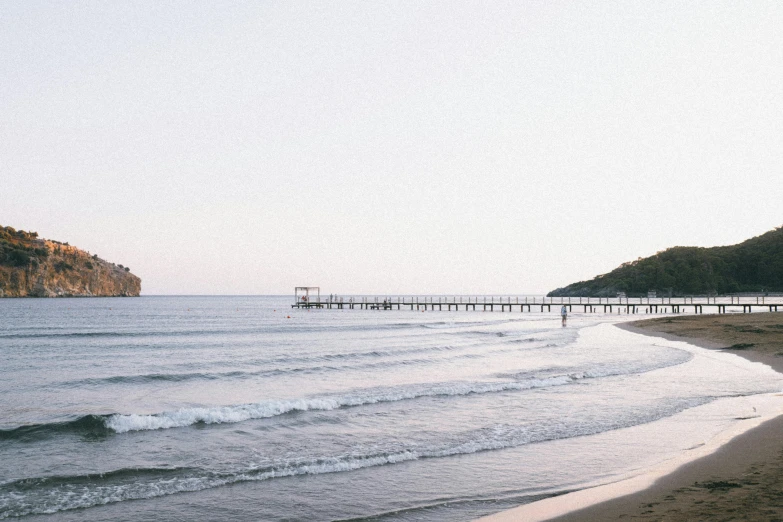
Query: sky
[[380, 147]]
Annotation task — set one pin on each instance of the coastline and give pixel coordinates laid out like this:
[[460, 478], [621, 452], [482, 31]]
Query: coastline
[[741, 477], [763, 331]]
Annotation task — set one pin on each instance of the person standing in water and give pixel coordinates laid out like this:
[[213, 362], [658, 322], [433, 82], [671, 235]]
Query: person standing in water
[[564, 314]]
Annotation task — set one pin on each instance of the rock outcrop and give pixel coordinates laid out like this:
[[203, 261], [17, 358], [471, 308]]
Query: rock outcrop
[[33, 267]]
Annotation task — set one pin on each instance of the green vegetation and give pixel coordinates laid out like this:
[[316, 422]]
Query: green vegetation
[[755, 265], [62, 266], [19, 248], [35, 267]]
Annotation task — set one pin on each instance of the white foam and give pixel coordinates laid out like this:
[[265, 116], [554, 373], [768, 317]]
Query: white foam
[[768, 405], [272, 408], [765, 407], [60, 497]]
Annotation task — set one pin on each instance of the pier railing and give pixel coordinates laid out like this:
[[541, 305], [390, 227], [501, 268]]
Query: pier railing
[[696, 304]]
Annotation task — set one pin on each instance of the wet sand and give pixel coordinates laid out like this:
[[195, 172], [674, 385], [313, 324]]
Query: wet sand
[[757, 337], [743, 479]]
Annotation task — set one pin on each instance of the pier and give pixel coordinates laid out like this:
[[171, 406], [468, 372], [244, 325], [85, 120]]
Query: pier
[[519, 304]]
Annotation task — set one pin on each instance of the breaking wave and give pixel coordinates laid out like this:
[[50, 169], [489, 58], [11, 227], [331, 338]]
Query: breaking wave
[[102, 425], [42, 495]]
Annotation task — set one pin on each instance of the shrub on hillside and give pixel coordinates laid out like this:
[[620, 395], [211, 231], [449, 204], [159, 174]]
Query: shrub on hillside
[[62, 266], [18, 258]]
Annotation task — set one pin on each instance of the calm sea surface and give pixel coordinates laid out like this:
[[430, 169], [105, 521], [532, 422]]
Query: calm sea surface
[[224, 408]]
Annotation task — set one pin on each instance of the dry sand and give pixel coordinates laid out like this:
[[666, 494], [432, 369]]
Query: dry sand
[[743, 480]]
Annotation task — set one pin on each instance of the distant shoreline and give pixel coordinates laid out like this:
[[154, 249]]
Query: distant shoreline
[[744, 477]]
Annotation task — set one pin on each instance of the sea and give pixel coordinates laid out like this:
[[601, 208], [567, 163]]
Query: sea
[[242, 408]]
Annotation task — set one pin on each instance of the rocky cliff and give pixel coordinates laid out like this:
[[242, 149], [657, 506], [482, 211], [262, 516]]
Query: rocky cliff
[[33, 267]]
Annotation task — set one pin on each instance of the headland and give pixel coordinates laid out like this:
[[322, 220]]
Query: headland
[[755, 265], [35, 267]]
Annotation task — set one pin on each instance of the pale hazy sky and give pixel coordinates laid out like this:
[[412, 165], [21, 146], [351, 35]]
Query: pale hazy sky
[[389, 147]]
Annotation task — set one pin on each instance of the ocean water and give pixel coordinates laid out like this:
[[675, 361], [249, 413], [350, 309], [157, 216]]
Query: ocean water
[[239, 408]]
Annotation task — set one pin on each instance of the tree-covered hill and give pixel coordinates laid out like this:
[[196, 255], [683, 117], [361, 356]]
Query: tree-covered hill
[[755, 265]]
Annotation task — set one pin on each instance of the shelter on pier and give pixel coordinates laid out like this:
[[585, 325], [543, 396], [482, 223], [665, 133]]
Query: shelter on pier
[[308, 296]]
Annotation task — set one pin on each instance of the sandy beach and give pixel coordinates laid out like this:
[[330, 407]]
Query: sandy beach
[[743, 479]]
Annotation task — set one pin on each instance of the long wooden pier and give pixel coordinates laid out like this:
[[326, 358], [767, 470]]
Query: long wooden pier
[[610, 305]]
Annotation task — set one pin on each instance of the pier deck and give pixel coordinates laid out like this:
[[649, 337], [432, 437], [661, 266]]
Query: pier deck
[[632, 305]]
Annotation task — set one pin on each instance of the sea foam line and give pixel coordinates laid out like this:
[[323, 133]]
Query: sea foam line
[[50, 495], [272, 408], [102, 425]]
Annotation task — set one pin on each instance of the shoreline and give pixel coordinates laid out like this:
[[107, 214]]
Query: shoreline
[[654, 329], [740, 478]]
